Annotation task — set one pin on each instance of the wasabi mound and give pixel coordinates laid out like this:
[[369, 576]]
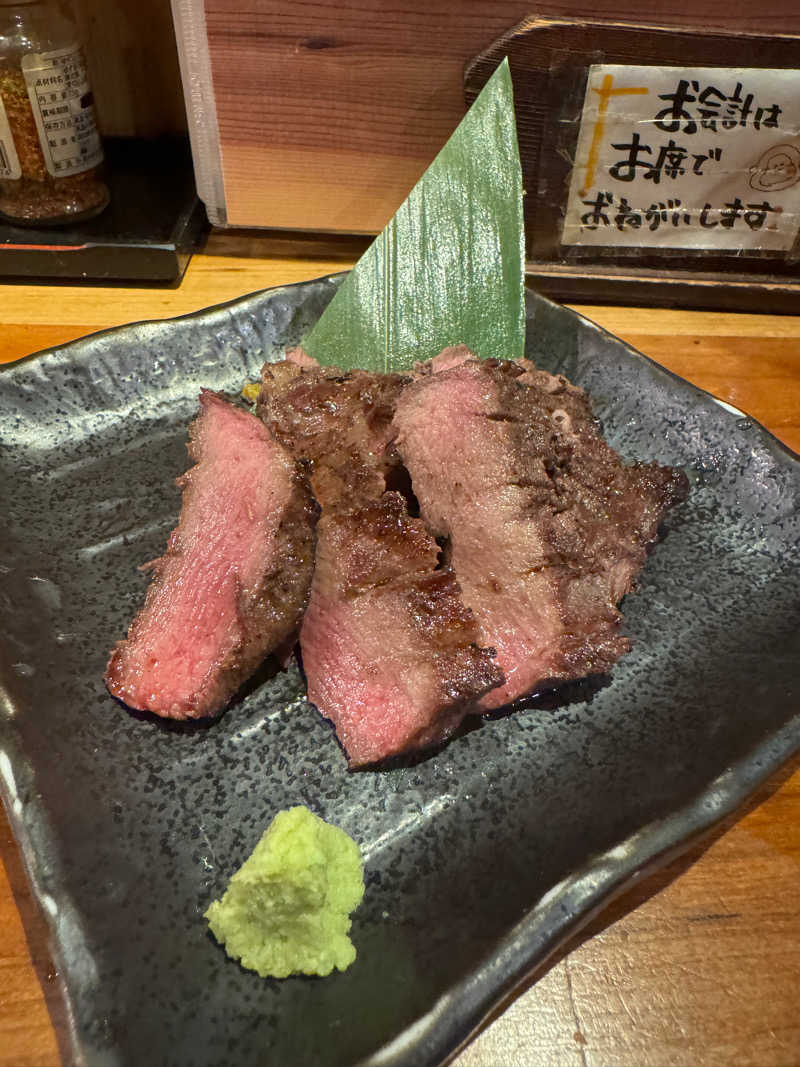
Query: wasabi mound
[[287, 909]]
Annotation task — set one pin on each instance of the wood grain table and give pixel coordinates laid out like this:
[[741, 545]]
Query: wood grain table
[[699, 965]]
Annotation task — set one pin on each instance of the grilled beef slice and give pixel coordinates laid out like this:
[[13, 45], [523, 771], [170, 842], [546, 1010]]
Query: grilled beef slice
[[547, 528], [389, 650], [340, 424], [235, 578]]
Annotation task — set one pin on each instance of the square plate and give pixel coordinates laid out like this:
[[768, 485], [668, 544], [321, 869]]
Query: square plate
[[481, 858]]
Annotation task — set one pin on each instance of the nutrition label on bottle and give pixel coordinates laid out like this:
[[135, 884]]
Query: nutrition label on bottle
[[63, 108], [9, 161]]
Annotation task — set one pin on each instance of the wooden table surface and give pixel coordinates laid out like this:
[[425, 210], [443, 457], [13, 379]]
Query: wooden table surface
[[700, 964]]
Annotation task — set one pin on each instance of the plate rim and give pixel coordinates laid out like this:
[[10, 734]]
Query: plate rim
[[665, 844], [338, 277]]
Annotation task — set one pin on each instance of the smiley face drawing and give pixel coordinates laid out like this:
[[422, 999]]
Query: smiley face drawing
[[778, 168]]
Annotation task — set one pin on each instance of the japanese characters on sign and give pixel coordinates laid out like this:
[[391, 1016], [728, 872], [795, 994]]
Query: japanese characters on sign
[[706, 157]]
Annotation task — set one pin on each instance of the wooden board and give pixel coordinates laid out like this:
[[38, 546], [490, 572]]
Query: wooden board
[[329, 113]]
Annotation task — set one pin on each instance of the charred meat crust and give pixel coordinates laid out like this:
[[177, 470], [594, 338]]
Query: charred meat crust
[[338, 422], [377, 573], [409, 642]]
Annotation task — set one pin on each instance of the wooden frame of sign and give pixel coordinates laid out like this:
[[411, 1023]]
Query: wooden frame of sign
[[550, 61]]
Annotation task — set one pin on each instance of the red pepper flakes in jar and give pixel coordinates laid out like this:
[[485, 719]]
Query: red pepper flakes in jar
[[50, 151]]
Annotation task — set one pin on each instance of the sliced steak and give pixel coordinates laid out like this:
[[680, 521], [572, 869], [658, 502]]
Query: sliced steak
[[450, 357], [547, 527], [300, 356], [340, 423], [389, 650], [235, 578]]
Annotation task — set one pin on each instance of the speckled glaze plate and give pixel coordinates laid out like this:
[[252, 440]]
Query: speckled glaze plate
[[481, 859]]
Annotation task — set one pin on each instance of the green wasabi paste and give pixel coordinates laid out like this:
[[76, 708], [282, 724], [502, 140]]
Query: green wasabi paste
[[287, 909]]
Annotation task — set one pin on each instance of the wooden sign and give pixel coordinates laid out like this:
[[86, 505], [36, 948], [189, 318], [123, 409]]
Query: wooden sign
[[660, 166]]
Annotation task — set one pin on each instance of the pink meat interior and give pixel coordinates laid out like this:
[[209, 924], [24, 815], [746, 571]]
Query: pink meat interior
[[467, 483], [217, 555], [379, 701]]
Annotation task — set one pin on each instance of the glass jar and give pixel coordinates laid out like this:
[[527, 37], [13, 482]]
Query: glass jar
[[50, 152]]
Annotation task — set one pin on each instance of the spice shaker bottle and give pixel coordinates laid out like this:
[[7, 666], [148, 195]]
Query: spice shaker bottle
[[50, 152]]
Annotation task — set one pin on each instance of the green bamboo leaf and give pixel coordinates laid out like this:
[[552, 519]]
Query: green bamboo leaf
[[449, 267]]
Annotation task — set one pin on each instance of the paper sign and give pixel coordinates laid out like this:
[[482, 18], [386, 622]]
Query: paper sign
[[700, 157]]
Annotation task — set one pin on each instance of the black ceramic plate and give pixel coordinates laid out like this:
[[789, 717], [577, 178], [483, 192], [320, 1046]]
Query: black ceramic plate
[[480, 859]]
